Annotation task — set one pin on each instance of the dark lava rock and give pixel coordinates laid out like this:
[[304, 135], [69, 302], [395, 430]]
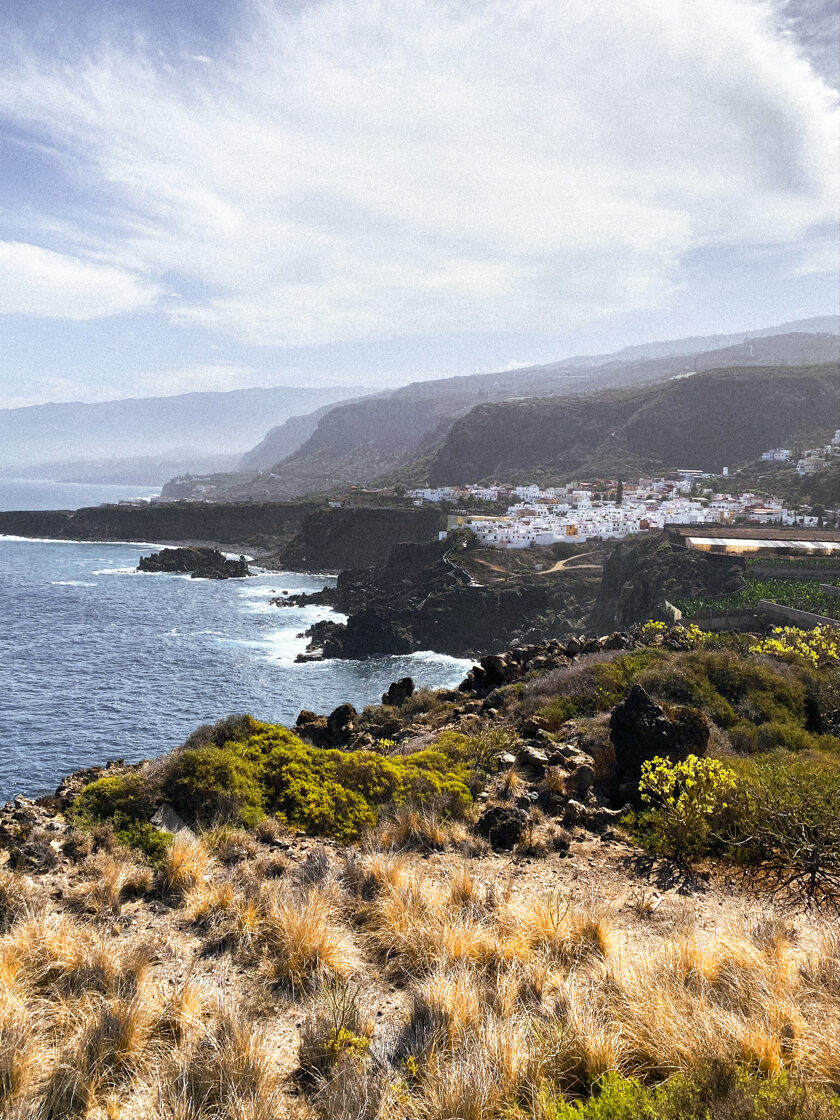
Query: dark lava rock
[[398, 692], [502, 826], [313, 728], [201, 563], [640, 730], [341, 725]]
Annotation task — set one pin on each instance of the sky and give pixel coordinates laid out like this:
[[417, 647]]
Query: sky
[[213, 194]]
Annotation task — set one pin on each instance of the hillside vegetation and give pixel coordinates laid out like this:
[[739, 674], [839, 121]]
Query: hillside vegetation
[[594, 883], [721, 418]]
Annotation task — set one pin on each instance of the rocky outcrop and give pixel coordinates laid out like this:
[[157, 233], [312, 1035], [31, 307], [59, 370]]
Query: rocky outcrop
[[338, 729], [642, 573], [200, 563], [640, 730], [503, 826], [398, 692], [344, 538], [258, 524]]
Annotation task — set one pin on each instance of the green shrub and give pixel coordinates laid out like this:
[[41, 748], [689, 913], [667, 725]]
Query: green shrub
[[209, 784], [125, 802], [125, 794], [783, 822], [719, 1092]]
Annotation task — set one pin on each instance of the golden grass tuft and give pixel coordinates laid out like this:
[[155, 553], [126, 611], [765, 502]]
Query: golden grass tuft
[[409, 829], [110, 879], [187, 864], [227, 1071], [301, 942]]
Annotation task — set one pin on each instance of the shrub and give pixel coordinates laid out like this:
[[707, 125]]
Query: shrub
[[784, 822], [209, 784], [687, 795], [719, 1092]]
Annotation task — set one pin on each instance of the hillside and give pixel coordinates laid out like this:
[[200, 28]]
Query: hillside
[[720, 418], [192, 427], [365, 440], [505, 900]]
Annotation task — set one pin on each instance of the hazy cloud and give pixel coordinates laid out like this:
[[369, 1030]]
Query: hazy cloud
[[36, 281], [356, 169]]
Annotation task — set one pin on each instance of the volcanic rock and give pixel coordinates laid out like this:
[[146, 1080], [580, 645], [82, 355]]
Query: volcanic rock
[[640, 730], [502, 826]]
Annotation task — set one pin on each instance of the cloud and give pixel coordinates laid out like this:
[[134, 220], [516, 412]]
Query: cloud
[[40, 282], [356, 169]]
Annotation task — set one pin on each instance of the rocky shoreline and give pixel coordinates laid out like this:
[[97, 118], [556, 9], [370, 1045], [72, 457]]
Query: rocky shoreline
[[587, 797], [200, 563]]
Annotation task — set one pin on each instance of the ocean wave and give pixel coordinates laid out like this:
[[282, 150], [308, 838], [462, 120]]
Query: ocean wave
[[71, 583]]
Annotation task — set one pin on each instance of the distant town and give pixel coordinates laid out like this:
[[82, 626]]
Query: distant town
[[613, 509]]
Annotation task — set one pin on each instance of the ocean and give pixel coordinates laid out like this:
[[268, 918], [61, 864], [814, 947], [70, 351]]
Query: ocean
[[29, 493], [98, 661]]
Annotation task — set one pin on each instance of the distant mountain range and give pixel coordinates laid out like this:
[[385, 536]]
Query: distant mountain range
[[397, 435], [190, 431]]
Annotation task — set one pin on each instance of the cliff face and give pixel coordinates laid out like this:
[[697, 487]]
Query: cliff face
[[640, 574], [357, 538], [223, 523], [420, 598], [708, 420], [299, 536]]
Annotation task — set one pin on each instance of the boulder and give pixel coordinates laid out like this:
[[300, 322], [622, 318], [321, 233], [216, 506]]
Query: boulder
[[580, 782], [502, 826], [640, 730], [341, 725], [499, 668], [532, 761], [167, 820], [575, 814], [398, 692], [313, 728]]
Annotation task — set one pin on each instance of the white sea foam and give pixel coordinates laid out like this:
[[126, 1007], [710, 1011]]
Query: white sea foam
[[71, 583]]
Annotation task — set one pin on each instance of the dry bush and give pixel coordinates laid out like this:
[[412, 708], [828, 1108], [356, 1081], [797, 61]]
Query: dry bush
[[365, 874], [187, 864], [227, 1071], [510, 784], [185, 1012], [229, 845], [566, 933], [269, 830], [17, 898], [58, 958], [274, 865], [206, 904], [301, 941], [334, 1031], [409, 829], [110, 879], [315, 868]]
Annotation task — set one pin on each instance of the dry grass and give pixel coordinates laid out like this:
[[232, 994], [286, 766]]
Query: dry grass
[[507, 995], [409, 829], [109, 880], [187, 864]]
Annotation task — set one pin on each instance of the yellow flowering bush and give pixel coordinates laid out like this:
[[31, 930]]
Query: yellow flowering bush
[[819, 647], [686, 796], [651, 631]]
